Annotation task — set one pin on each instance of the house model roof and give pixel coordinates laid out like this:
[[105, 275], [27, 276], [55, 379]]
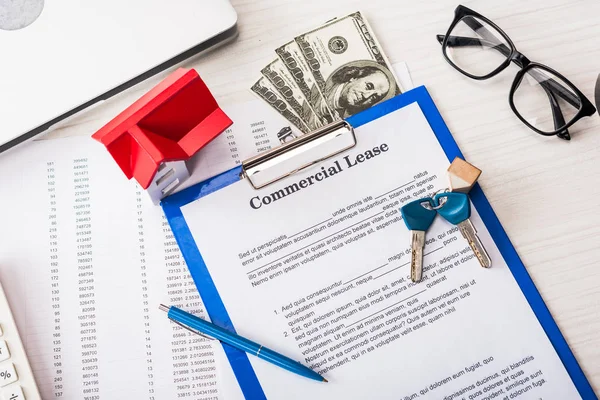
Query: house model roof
[[171, 122]]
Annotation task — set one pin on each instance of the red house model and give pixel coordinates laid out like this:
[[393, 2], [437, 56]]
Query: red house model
[[152, 138]]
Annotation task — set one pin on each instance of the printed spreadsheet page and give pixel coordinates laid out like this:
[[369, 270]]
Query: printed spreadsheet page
[[86, 259], [316, 266]]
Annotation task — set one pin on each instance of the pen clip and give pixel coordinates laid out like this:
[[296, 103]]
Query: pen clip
[[192, 330]]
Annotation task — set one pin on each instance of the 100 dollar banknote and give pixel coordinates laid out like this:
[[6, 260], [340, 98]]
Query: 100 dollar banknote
[[294, 61], [348, 66], [264, 89], [280, 77]]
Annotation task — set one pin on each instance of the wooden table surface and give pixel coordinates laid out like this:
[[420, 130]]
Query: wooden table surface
[[544, 190]]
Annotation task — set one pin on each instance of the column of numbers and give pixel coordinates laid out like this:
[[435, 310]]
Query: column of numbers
[[86, 287], [233, 146], [57, 366], [194, 371], [175, 290], [145, 295], [260, 135]]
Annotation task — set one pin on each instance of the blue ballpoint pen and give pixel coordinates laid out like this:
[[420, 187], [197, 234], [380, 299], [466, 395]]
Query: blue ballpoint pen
[[200, 326]]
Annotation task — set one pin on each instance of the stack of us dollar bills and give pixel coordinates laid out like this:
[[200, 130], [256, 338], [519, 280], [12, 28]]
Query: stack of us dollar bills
[[327, 74]]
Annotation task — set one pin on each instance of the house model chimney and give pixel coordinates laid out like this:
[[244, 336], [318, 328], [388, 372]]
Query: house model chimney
[[153, 138]]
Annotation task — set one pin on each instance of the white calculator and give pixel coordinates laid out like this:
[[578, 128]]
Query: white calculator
[[16, 378]]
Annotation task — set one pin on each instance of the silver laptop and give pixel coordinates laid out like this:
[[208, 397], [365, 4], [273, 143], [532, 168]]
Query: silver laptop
[[59, 57]]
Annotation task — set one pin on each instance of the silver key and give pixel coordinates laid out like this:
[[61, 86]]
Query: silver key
[[470, 233], [418, 216], [416, 258], [456, 209]]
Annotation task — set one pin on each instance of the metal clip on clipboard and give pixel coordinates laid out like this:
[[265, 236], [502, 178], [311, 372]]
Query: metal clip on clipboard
[[298, 154]]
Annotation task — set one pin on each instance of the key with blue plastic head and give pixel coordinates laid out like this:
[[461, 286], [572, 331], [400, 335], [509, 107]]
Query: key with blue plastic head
[[418, 215], [455, 208]]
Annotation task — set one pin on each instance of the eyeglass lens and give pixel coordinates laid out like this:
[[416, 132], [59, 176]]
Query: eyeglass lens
[[476, 47], [545, 101]]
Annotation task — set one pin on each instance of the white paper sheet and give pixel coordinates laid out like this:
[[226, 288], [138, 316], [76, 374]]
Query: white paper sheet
[[318, 269], [85, 260]]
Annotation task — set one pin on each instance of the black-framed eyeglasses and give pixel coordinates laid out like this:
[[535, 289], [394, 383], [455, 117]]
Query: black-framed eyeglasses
[[543, 99]]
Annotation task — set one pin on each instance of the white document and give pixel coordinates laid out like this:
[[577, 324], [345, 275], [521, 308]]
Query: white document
[[317, 267], [85, 260]]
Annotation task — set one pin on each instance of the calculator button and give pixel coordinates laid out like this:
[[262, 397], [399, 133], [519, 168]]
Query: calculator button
[[8, 374], [13, 392], [4, 353]]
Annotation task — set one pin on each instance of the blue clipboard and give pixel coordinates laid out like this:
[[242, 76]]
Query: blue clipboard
[[239, 361]]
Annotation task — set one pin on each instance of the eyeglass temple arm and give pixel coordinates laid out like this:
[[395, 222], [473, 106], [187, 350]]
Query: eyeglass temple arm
[[557, 116], [458, 41], [490, 40]]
